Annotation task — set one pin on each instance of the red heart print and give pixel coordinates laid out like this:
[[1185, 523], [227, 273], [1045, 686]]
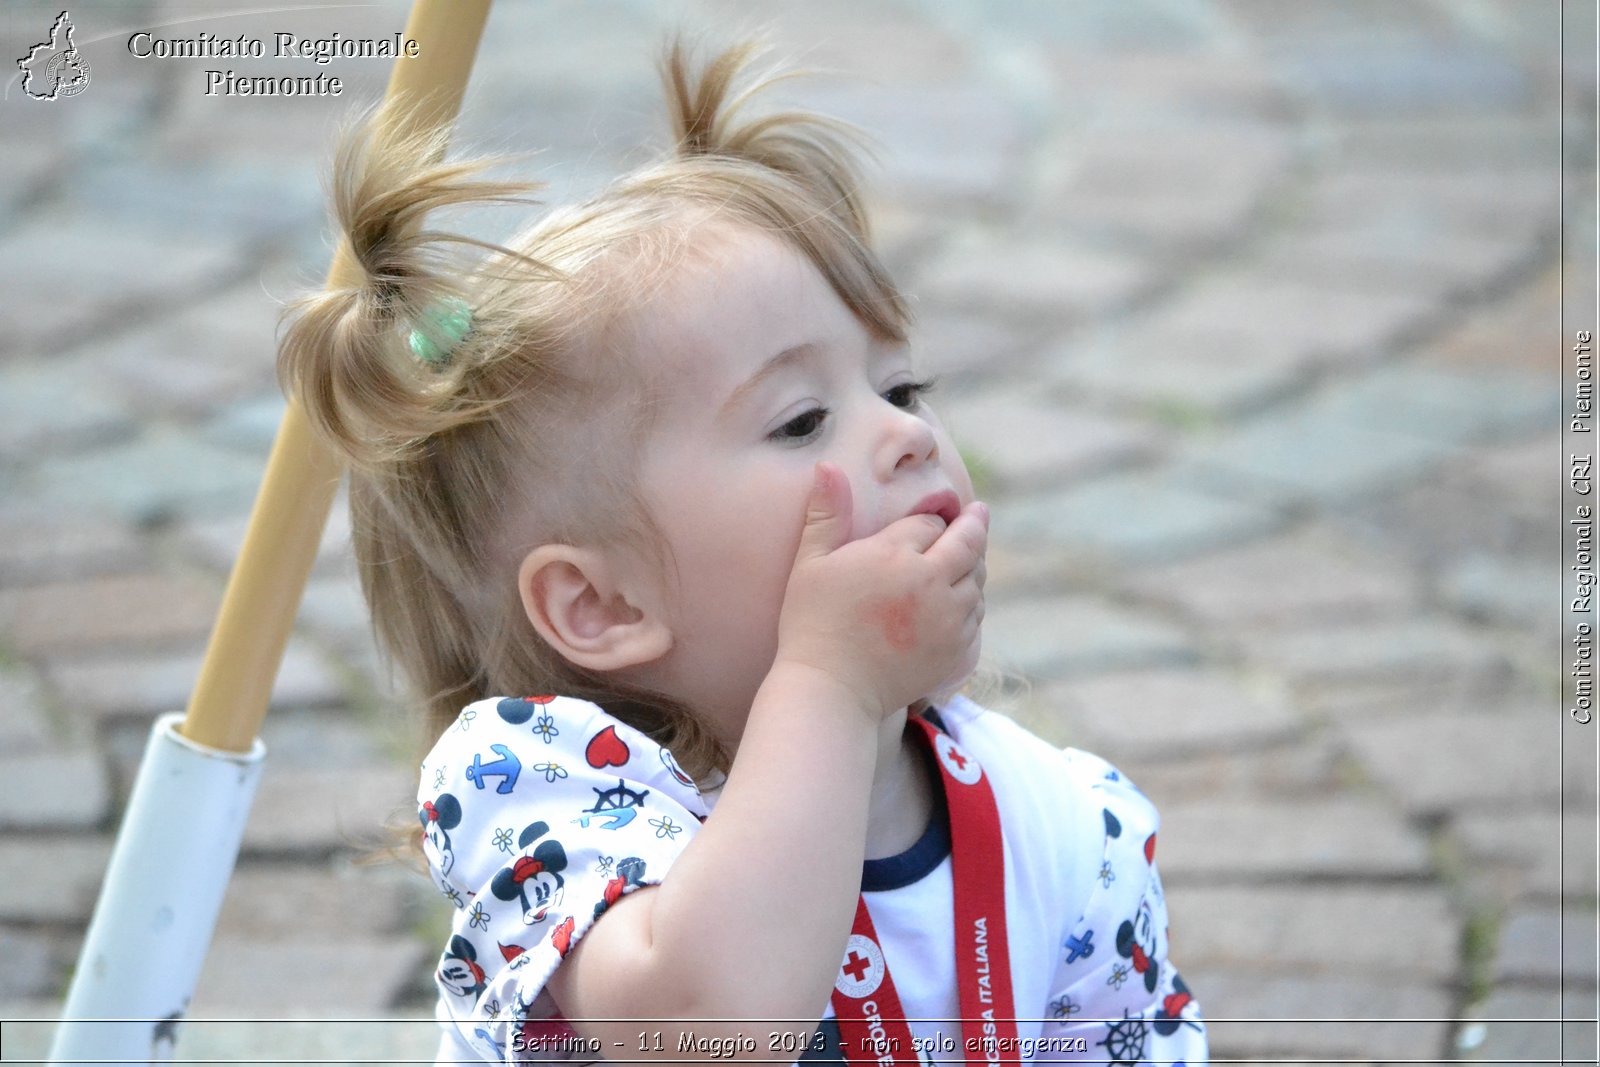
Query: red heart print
[[606, 749]]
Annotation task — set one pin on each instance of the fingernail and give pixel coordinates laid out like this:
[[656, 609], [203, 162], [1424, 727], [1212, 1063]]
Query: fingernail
[[983, 512]]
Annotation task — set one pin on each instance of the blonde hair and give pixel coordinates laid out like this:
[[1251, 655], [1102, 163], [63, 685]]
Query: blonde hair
[[453, 467]]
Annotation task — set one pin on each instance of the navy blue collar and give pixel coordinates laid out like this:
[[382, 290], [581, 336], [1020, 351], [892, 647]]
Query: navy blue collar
[[918, 861]]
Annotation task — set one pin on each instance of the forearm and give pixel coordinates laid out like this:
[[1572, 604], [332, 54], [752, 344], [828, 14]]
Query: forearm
[[752, 920]]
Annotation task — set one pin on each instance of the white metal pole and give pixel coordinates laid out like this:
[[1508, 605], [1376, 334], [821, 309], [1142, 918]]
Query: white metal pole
[[162, 892]]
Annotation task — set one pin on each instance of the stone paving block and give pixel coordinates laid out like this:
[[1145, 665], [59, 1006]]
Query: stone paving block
[[1308, 577], [318, 811], [1184, 376], [1303, 453], [1345, 839], [254, 200], [120, 687], [1306, 770], [164, 474], [1421, 648], [939, 144], [334, 610], [1434, 265], [1192, 89], [1323, 324], [1517, 592], [39, 545], [327, 739], [1099, 28], [1527, 1027], [1442, 143], [269, 901], [1169, 713], [1266, 1013], [1443, 404], [26, 726], [1302, 931], [51, 878], [214, 353], [1046, 280], [215, 540], [109, 262], [75, 617], [1521, 333], [1364, 76], [1523, 854], [1435, 764], [1548, 946], [967, 345], [249, 425], [1024, 440], [397, 1037], [1133, 518], [47, 408], [1458, 513], [1076, 635], [306, 976], [1493, 690], [53, 790], [1169, 220], [35, 964], [1486, 201]]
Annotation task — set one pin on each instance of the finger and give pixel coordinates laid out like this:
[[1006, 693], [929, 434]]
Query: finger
[[961, 546], [828, 512], [917, 532]]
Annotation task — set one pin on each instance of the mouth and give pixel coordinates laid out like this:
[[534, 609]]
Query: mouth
[[944, 504]]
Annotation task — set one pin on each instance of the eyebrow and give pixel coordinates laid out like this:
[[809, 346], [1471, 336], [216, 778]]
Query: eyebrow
[[783, 359]]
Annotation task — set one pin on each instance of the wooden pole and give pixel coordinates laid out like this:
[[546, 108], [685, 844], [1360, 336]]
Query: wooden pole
[[230, 697]]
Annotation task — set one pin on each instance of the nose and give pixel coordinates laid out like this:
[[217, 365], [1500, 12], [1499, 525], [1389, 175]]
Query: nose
[[907, 442]]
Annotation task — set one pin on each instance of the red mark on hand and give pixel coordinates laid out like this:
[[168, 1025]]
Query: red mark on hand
[[895, 619]]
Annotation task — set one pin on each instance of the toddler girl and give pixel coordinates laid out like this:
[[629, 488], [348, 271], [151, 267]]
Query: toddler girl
[[652, 508]]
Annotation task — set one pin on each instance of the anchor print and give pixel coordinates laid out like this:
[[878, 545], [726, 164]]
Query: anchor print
[[508, 768]]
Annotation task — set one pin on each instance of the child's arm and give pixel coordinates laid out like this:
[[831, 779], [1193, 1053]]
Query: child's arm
[[751, 920]]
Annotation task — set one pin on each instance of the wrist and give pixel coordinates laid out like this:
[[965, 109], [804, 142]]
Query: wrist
[[823, 689]]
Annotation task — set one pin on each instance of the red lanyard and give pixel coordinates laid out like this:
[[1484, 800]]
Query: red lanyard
[[872, 1024]]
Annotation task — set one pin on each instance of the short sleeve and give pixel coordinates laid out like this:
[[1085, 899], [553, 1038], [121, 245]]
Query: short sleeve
[[537, 815], [1117, 989]]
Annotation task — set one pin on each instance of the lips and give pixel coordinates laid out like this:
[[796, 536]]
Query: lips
[[944, 504]]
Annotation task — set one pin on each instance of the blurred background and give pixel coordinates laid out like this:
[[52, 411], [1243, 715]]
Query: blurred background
[[1250, 319]]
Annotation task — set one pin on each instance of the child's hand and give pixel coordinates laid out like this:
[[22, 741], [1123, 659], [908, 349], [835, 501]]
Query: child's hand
[[893, 616]]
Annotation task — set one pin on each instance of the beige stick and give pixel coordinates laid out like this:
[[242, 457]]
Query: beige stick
[[230, 697]]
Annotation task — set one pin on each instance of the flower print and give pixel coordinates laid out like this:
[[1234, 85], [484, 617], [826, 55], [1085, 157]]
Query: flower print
[[453, 895], [603, 868], [464, 720], [545, 727], [665, 827], [1119, 974], [1105, 875], [1064, 1007], [438, 778], [551, 771], [478, 919], [502, 839]]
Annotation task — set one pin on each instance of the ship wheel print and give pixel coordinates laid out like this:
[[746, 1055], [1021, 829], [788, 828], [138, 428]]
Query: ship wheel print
[[1125, 1040]]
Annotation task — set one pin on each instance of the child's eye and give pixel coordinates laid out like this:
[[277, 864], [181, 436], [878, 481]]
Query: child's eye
[[908, 395], [801, 426]]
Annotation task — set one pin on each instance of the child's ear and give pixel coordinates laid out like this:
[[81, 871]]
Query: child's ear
[[577, 601]]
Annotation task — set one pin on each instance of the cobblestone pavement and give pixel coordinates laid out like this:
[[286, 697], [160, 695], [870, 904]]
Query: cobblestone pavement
[[1249, 318]]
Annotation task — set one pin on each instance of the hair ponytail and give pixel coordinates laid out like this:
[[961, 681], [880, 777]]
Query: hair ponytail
[[815, 150], [346, 356]]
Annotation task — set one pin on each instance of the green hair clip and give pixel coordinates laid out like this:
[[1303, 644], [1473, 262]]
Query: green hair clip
[[450, 320]]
